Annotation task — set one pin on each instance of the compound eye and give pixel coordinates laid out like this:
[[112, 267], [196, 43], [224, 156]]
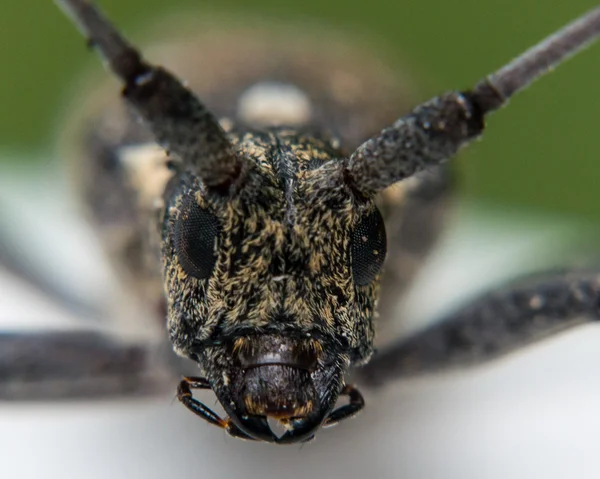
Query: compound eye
[[368, 248], [195, 235]]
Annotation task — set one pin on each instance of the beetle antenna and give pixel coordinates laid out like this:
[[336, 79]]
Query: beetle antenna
[[178, 120], [434, 131], [540, 59]]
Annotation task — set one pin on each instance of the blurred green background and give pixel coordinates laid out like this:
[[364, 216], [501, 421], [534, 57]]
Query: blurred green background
[[542, 152]]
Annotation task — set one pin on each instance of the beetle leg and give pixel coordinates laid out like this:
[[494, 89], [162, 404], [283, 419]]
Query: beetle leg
[[494, 324], [14, 261], [78, 364]]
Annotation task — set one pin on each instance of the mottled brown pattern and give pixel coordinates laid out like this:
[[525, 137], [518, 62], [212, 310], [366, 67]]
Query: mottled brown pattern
[[283, 266], [283, 254], [352, 92]]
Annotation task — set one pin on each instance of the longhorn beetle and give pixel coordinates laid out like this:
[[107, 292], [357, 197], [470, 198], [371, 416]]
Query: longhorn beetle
[[271, 245]]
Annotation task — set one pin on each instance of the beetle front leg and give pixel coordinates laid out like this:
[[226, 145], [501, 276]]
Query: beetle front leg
[[79, 364], [494, 324]]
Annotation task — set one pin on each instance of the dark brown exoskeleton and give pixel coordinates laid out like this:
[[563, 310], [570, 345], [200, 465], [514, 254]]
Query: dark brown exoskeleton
[[270, 268], [265, 226]]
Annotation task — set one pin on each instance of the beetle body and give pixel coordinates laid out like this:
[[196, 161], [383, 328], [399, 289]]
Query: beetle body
[[263, 225], [258, 288]]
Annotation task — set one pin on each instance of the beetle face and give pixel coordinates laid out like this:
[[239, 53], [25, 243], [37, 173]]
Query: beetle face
[[272, 289]]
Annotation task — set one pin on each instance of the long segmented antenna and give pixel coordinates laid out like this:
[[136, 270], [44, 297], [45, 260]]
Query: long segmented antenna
[[179, 121], [434, 131], [542, 58]]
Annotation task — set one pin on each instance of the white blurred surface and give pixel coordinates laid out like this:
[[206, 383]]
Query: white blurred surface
[[532, 414]]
